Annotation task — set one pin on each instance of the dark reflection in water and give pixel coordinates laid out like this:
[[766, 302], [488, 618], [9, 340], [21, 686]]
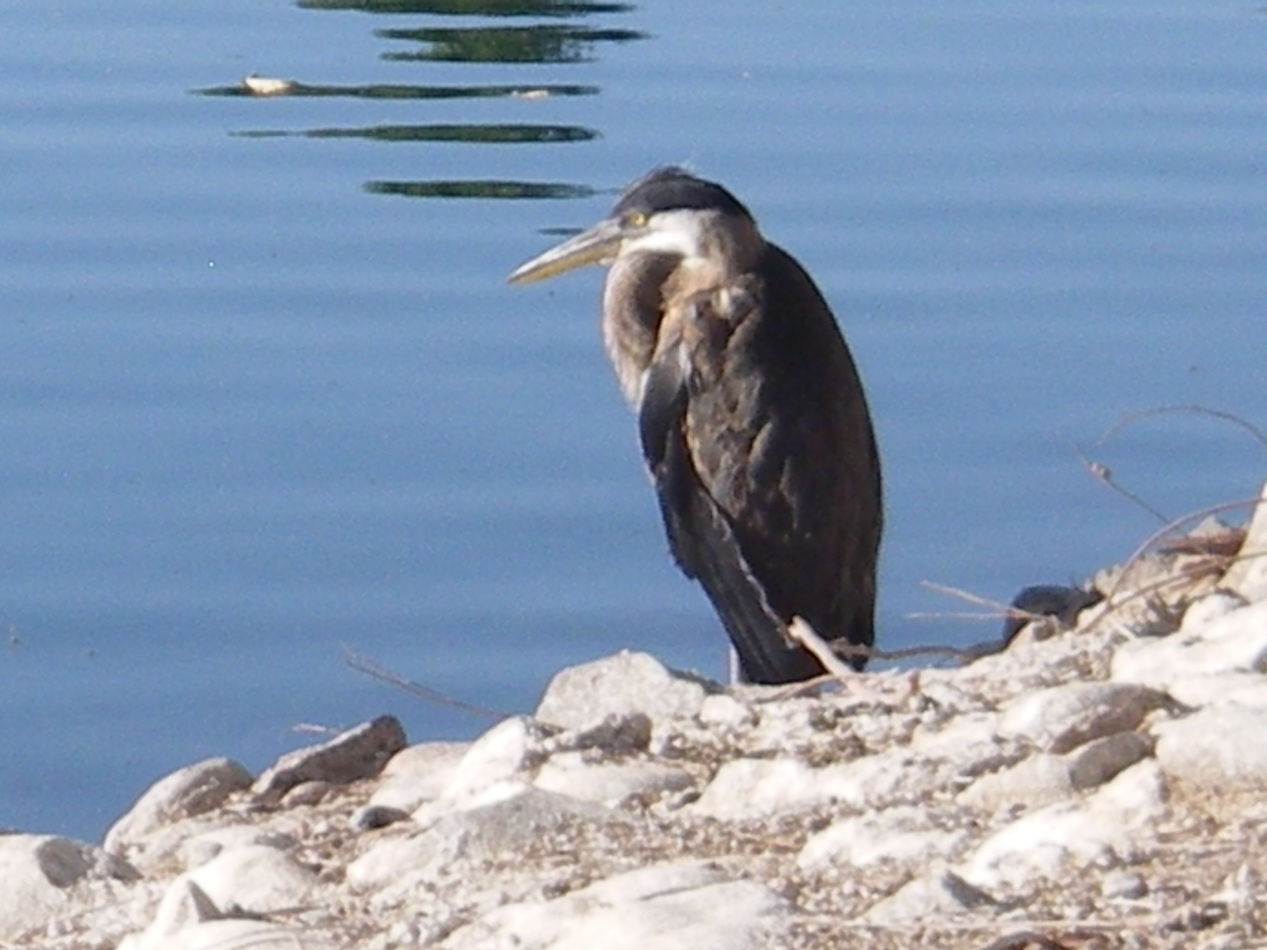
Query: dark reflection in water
[[472, 134], [505, 8], [480, 189], [526, 44], [533, 43], [393, 91]]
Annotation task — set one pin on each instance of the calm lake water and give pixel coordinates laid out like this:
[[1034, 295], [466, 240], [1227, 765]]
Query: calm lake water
[[264, 391]]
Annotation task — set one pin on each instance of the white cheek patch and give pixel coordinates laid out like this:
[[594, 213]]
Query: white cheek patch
[[671, 232]]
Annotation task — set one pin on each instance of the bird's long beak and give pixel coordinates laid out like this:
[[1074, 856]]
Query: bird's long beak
[[599, 243]]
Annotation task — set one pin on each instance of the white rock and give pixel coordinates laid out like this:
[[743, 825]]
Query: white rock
[[488, 832], [951, 737], [418, 773], [939, 895], [255, 878], [582, 696], [510, 749], [36, 871], [1063, 717], [722, 709], [184, 905], [752, 788], [229, 935], [664, 907], [1209, 608], [1208, 689], [190, 791], [1032, 783], [1235, 642], [608, 782], [1220, 748], [1099, 830], [1046, 778], [1248, 575], [200, 847], [902, 835]]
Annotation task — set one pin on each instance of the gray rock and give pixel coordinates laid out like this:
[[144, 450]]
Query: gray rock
[[582, 696], [355, 754], [1124, 885], [1210, 749], [609, 782], [306, 793], [373, 817], [936, 895], [616, 734], [193, 790], [1102, 759], [1064, 717], [677, 906]]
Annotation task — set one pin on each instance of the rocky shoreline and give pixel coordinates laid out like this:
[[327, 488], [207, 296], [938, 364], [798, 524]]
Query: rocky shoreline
[[1099, 786]]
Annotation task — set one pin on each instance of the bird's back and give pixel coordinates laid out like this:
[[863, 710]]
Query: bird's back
[[777, 430]]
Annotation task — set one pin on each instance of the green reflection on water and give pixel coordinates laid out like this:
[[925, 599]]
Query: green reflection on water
[[549, 42], [526, 44], [472, 134], [504, 8], [480, 189], [397, 91]]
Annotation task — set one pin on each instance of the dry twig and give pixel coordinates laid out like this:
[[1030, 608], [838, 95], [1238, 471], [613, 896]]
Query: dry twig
[[364, 664]]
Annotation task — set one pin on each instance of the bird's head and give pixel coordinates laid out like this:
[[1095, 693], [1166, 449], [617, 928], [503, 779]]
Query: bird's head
[[667, 212]]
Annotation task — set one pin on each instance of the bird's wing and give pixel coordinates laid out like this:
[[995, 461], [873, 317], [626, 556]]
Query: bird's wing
[[702, 536]]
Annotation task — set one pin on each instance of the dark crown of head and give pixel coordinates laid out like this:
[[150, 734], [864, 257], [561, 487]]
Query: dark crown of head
[[674, 189]]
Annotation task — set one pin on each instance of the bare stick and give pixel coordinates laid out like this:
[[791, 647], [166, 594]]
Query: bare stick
[[800, 632], [1101, 473], [1130, 418], [1172, 526], [363, 664]]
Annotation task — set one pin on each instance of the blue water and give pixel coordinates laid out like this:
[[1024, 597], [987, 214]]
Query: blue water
[[262, 393]]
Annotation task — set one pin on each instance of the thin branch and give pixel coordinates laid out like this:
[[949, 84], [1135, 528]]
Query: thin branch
[[1103, 474], [1130, 418], [363, 664], [1001, 611], [1170, 526], [800, 632]]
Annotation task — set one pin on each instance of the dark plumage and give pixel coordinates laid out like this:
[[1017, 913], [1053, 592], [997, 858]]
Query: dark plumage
[[752, 418]]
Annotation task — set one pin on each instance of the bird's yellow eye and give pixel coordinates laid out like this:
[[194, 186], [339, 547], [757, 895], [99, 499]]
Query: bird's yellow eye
[[635, 219]]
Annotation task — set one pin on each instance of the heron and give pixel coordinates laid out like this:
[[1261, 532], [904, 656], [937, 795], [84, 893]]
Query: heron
[[751, 415]]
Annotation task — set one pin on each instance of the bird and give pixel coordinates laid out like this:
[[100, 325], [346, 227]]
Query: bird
[[752, 418]]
